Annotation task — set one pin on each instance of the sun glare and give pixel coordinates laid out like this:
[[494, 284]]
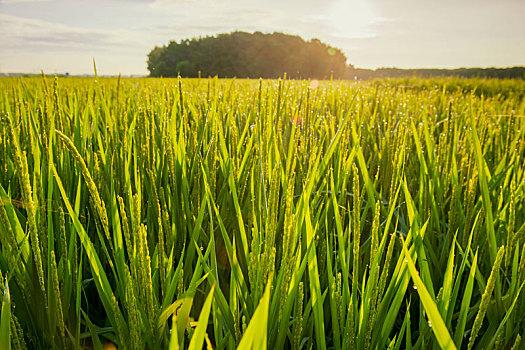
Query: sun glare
[[351, 19]]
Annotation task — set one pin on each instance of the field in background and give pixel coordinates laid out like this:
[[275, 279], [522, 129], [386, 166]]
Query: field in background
[[254, 214]]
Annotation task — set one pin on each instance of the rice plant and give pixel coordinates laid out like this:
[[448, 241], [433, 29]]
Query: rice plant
[[191, 213]]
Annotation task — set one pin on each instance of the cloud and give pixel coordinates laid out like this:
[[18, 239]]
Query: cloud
[[214, 19], [20, 33], [65, 34], [328, 23], [19, 1]]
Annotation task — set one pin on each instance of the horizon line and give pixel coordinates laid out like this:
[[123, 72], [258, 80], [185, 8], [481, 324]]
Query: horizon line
[[350, 66]]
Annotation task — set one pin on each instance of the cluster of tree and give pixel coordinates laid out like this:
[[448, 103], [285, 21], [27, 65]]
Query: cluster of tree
[[499, 73], [246, 55]]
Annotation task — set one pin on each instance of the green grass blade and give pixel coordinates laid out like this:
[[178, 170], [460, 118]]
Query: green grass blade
[[197, 340], [5, 318], [435, 320], [255, 336]]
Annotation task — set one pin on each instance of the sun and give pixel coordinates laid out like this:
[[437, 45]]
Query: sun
[[351, 19]]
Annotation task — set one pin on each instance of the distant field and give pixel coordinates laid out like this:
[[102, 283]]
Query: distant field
[[262, 214]]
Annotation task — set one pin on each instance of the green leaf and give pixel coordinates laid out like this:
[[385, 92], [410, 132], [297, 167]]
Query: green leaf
[[5, 318], [197, 340], [435, 321], [255, 337]]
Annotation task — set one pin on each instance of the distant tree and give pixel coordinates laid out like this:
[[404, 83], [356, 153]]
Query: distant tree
[[246, 55], [156, 60], [499, 73], [186, 68]]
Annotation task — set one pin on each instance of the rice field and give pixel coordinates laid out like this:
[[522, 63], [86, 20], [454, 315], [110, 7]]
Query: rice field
[[280, 214]]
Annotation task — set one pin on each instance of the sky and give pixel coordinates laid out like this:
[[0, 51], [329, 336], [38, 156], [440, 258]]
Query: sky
[[60, 36]]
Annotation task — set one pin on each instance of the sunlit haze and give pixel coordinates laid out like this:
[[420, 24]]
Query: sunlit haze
[[61, 36]]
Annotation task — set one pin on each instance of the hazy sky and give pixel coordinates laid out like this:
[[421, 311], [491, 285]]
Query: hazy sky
[[64, 35]]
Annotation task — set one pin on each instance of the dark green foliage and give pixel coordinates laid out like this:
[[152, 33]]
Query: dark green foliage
[[499, 73], [246, 55]]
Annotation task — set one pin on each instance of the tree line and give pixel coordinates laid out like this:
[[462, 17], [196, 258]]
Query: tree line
[[353, 73], [259, 55], [246, 55]]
